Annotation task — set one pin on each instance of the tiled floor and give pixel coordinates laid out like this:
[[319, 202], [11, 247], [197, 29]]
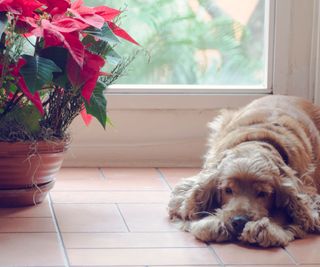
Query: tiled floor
[[117, 217]]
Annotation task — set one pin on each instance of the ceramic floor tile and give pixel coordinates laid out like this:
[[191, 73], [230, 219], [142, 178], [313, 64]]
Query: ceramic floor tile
[[306, 251], [146, 217], [174, 175], [79, 179], [173, 256], [134, 179], [30, 250], [111, 197], [130, 240], [78, 173], [24, 225], [89, 218], [40, 210], [95, 233], [237, 254]]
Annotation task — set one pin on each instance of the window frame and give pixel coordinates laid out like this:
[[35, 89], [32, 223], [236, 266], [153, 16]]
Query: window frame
[[283, 66], [296, 48]]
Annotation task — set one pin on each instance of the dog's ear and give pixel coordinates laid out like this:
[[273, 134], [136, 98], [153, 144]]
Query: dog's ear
[[199, 195], [204, 197], [290, 197], [194, 197]]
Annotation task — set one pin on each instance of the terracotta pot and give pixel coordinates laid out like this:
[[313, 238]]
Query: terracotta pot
[[28, 171]]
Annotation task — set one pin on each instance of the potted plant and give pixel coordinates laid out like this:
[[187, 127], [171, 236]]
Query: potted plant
[[44, 88]]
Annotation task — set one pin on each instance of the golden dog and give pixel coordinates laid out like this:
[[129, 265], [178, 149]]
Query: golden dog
[[261, 176]]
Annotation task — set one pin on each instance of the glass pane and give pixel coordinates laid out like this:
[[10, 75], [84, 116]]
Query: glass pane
[[195, 42]]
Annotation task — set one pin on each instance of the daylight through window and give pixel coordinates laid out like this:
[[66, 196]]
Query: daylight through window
[[196, 42]]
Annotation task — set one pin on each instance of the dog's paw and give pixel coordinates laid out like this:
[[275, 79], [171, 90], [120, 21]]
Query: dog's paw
[[210, 229], [182, 225], [265, 234]]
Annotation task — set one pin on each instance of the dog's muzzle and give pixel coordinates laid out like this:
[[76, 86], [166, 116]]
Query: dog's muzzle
[[238, 223]]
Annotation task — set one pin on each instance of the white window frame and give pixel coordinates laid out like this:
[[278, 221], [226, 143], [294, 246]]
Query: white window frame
[[296, 48], [165, 126]]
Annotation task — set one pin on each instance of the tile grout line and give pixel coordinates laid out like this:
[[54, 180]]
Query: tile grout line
[[119, 210], [29, 217], [102, 174], [122, 266], [133, 248], [220, 262], [163, 178], [98, 203], [195, 265], [121, 232], [60, 239], [110, 190], [291, 256]]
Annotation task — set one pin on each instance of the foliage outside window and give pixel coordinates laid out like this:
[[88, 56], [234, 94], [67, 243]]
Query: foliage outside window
[[197, 42]]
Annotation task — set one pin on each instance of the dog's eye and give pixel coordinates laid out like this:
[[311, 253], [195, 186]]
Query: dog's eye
[[228, 191], [262, 194]]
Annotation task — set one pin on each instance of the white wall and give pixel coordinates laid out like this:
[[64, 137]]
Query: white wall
[[150, 130], [142, 138]]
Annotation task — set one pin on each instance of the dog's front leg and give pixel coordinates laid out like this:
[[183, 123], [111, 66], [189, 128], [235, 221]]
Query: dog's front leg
[[210, 228], [266, 233]]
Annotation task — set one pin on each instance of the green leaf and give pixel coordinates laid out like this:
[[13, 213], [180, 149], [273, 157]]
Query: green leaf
[[109, 122], [98, 47], [12, 88], [62, 81], [59, 56], [29, 117], [113, 57], [104, 34], [38, 71], [3, 22], [98, 105]]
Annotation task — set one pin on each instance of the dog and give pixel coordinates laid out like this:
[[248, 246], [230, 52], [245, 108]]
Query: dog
[[260, 180]]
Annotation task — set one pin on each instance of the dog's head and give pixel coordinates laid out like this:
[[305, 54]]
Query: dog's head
[[249, 182]]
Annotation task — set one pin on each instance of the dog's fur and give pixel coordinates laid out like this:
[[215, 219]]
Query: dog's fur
[[263, 162]]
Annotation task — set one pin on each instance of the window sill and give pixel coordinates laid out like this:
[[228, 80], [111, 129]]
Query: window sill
[[133, 98]]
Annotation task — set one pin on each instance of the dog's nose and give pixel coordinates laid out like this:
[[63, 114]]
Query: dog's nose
[[238, 223]]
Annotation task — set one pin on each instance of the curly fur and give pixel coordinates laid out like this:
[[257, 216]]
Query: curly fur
[[273, 145]]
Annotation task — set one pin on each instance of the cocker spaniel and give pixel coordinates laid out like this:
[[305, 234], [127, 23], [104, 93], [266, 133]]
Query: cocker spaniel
[[260, 182]]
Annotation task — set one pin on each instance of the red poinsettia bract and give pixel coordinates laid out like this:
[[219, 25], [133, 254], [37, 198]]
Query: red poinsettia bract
[[34, 98], [20, 7], [55, 7], [85, 78]]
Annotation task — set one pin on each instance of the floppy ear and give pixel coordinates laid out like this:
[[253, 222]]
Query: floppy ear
[[194, 196], [291, 198]]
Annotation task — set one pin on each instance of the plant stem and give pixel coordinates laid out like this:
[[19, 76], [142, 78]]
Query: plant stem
[[36, 46], [29, 41], [12, 103]]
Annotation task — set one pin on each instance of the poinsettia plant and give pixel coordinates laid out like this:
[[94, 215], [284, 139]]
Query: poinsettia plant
[[52, 53]]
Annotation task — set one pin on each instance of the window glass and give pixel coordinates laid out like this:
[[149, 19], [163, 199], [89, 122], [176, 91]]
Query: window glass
[[195, 42]]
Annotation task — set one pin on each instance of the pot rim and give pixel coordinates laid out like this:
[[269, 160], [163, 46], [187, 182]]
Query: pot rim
[[36, 147]]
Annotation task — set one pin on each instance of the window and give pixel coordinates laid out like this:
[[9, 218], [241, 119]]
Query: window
[[219, 43], [165, 125]]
